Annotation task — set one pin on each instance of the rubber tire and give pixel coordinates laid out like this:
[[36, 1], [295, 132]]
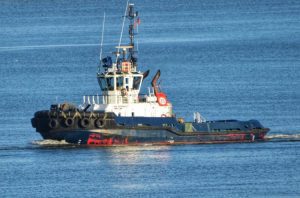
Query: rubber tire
[[53, 123], [99, 123], [69, 122], [84, 122]]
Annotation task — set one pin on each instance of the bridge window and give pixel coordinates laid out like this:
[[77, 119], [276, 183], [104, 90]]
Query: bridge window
[[110, 83], [119, 83], [102, 83], [136, 82]]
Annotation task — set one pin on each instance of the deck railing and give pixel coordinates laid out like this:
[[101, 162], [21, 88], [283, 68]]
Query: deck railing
[[114, 99]]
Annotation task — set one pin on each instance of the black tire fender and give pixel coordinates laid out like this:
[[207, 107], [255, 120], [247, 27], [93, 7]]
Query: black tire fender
[[99, 123], [69, 121], [53, 123], [84, 122]]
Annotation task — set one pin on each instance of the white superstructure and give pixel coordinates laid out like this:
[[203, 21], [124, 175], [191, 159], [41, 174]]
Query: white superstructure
[[120, 83]]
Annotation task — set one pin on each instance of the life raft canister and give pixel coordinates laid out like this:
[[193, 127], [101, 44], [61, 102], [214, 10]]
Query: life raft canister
[[162, 99]]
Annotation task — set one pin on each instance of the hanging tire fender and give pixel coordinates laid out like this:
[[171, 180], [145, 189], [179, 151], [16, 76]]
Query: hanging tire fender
[[69, 121], [99, 123], [84, 122], [53, 123]]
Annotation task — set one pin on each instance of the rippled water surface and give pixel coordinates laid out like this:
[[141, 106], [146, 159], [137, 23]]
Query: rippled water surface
[[225, 59]]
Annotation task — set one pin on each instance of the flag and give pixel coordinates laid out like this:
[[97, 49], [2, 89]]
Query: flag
[[137, 22]]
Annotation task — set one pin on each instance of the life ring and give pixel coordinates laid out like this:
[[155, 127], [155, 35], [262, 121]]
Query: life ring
[[53, 123], [99, 123], [84, 122], [162, 101], [69, 121]]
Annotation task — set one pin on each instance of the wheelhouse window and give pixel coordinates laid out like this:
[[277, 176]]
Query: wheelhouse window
[[110, 83], [102, 83], [120, 83], [136, 82]]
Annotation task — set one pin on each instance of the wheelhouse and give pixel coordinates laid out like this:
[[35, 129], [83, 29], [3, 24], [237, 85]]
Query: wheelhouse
[[117, 82]]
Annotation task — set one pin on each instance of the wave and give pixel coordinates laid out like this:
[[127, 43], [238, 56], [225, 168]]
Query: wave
[[50, 142], [295, 137]]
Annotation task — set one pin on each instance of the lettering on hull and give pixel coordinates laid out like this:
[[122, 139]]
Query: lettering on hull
[[99, 139]]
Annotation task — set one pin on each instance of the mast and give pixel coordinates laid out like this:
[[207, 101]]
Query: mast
[[126, 55], [132, 15]]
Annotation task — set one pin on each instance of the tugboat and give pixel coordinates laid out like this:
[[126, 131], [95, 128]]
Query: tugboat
[[123, 116]]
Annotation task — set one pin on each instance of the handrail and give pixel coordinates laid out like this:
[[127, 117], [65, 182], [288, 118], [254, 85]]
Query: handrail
[[114, 99]]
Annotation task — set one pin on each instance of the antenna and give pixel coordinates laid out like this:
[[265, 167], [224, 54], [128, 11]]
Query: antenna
[[122, 31], [137, 39], [101, 45]]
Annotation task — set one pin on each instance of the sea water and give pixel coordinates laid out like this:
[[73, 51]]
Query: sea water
[[226, 59]]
